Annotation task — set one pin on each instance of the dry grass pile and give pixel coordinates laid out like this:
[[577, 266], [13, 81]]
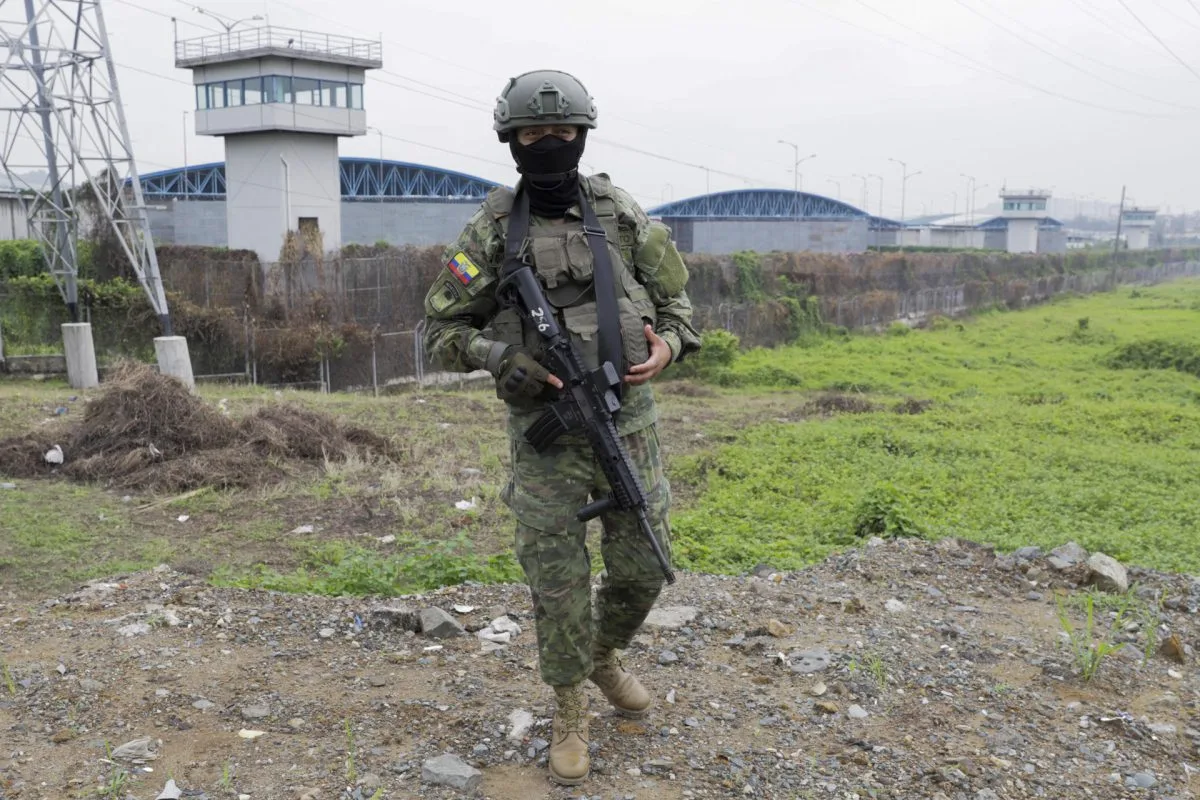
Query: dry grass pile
[[148, 432]]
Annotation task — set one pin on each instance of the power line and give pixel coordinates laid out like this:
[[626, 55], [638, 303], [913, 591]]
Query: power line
[[1148, 30], [481, 105], [1176, 15], [1195, 7], [1067, 62], [1017, 80], [171, 17]]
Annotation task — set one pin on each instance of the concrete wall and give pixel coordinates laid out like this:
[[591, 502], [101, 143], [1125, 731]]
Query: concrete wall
[[14, 217], [956, 238], [203, 222], [195, 222], [416, 222], [266, 197], [1023, 235], [1052, 241], [1137, 238], [724, 236]]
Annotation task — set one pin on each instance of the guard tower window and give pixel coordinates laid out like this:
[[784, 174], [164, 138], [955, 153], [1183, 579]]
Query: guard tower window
[[280, 89], [233, 93], [339, 95], [307, 91], [216, 95], [254, 91], [356, 95], [202, 97]]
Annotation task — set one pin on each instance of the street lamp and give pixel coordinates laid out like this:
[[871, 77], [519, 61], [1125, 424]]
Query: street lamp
[[839, 187], [904, 176], [222, 21], [880, 177], [797, 178], [382, 225], [863, 178], [971, 198], [185, 158]]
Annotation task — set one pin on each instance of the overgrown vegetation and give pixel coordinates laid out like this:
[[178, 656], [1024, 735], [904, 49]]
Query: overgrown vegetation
[[1031, 439], [338, 568]]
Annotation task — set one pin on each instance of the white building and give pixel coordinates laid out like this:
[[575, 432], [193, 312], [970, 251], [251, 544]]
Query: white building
[[280, 98], [1024, 212], [1137, 224]]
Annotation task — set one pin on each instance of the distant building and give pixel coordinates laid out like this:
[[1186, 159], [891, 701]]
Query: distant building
[[1137, 225]]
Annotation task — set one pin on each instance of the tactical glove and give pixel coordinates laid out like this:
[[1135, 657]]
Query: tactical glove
[[519, 376]]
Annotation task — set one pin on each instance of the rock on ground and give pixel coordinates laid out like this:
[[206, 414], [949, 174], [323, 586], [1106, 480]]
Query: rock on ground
[[452, 771]]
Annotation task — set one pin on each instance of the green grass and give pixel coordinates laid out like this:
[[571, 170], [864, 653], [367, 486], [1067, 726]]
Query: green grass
[[338, 569], [1033, 438]]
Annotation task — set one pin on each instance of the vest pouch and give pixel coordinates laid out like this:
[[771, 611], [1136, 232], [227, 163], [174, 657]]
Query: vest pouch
[[633, 336], [579, 257], [583, 325], [550, 261]]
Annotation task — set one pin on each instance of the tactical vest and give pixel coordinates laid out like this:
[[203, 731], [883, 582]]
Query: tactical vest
[[561, 258]]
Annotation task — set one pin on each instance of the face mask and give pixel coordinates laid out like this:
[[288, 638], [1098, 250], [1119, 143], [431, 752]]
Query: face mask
[[549, 170]]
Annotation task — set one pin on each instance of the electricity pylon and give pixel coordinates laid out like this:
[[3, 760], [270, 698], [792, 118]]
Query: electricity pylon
[[66, 141]]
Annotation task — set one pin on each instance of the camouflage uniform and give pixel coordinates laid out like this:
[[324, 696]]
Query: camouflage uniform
[[466, 329]]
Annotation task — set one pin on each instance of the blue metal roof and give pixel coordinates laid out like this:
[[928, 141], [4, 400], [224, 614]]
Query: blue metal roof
[[758, 203], [1001, 224], [361, 179]]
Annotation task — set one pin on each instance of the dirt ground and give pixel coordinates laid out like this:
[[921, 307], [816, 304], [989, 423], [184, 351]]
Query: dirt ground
[[901, 670]]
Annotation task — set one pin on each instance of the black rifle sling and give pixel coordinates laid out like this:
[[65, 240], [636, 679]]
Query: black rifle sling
[[606, 291], [518, 229]]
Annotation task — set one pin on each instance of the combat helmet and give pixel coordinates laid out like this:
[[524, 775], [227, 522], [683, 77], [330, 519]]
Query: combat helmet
[[543, 97]]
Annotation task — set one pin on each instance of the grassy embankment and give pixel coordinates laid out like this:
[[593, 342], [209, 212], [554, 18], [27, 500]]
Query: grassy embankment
[[1032, 435]]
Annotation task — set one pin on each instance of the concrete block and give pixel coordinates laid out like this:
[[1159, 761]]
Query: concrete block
[[173, 359], [81, 355]]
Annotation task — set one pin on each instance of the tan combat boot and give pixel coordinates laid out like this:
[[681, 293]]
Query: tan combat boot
[[569, 762], [624, 692]]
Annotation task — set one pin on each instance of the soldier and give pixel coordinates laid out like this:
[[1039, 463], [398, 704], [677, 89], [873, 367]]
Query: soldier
[[544, 117]]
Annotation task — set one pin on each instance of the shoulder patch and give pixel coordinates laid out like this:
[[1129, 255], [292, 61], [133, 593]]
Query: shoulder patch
[[463, 268], [444, 295]]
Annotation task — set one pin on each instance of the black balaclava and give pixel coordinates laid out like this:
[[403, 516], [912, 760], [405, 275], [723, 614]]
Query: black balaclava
[[550, 172]]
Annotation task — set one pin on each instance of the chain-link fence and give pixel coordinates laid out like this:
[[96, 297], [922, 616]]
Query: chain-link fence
[[351, 325]]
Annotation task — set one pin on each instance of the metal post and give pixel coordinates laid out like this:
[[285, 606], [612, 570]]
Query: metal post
[[374, 366], [185, 158], [61, 223], [1120, 213]]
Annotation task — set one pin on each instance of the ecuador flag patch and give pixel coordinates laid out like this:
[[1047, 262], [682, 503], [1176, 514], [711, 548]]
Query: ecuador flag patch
[[463, 268]]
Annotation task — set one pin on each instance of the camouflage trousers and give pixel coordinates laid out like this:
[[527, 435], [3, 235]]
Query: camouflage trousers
[[545, 492]]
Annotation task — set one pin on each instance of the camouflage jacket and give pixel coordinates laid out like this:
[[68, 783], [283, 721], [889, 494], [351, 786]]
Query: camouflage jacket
[[461, 305]]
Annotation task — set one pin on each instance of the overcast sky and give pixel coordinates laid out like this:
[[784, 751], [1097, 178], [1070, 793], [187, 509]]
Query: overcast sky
[[1073, 95]]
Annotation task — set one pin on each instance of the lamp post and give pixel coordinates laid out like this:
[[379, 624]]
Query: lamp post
[[838, 184], [970, 199], [904, 176], [797, 178], [382, 226], [185, 158], [222, 21], [863, 178]]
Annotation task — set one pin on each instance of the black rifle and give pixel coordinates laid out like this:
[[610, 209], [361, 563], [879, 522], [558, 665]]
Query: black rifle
[[589, 402]]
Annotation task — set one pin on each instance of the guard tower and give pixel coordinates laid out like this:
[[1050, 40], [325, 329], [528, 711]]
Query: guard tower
[[280, 98], [1024, 212], [1138, 222]]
